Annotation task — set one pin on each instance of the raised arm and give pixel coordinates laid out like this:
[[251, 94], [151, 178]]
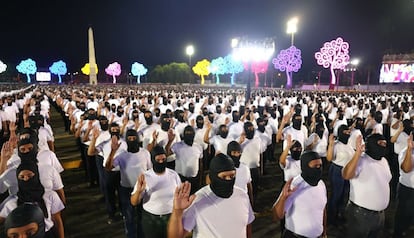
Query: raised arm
[[407, 165], [348, 172], [182, 200], [279, 207]]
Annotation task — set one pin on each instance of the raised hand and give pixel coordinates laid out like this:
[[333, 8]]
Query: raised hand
[[331, 139], [182, 198], [410, 142], [96, 132], [171, 134], [360, 147], [6, 151], [287, 190], [115, 143], [141, 183]]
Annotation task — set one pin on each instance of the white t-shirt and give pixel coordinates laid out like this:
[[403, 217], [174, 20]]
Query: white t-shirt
[[44, 157], [342, 153], [291, 169], [187, 158], [212, 216], [305, 208], [131, 165], [159, 193], [406, 179], [252, 149], [243, 177], [370, 186], [220, 143]]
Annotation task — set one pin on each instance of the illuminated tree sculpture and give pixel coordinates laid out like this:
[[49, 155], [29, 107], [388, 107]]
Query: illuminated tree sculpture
[[58, 68], [3, 67], [138, 70], [86, 69], [27, 67], [114, 70], [218, 67], [202, 69], [333, 55], [258, 67], [289, 60], [233, 67]]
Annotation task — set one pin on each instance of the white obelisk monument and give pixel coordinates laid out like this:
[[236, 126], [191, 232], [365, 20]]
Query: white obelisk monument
[[92, 59]]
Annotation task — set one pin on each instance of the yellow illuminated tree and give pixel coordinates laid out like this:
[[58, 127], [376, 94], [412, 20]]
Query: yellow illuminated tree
[[86, 69], [201, 69]]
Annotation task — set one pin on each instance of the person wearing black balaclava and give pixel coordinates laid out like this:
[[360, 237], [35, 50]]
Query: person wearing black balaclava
[[243, 178], [198, 213], [155, 188], [235, 126], [112, 176], [373, 124], [218, 141], [369, 176], [145, 132], [264, 133], [296, 130], [32, 191], [339, 153], [23, 220], [252, 147], [302, 200], [188, 158], [46, 139], [132, 163]]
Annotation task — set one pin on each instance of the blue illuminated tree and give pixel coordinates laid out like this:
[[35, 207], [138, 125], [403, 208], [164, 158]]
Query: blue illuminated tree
[[138, 70], [27, 67], [58, 68], [218, 66], [233, 67], [3, 67]]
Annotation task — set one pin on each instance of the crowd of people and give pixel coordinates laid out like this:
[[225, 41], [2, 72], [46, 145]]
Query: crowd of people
[[170, 160]]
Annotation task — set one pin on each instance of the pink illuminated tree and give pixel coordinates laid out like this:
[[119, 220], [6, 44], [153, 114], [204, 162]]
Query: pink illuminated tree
[[333, 55], [114, 70], [257, 67], [289, 60]]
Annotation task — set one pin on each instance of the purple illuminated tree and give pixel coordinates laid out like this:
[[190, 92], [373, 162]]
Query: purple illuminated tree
[[27, 67], [58, 68], [114, 70], [333, 55], [138, 70], [289, 60], [233, 67], [217, 67]]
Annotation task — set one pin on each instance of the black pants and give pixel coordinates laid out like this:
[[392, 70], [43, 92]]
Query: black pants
[[255, 173], [155, 226], [404, 216], [363, 222]]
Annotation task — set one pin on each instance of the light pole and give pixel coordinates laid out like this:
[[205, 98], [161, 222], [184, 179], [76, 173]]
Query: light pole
[[189, 51], [252, 50], [292, 27], [355, 63]]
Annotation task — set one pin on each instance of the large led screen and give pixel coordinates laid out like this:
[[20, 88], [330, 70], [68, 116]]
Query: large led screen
[[43, 76], [397, 73]]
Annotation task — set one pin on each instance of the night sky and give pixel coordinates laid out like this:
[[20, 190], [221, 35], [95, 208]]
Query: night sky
[[157, 31]]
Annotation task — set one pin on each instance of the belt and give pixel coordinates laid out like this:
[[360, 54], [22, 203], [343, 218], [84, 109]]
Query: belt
[[365, 209], [158, 216]]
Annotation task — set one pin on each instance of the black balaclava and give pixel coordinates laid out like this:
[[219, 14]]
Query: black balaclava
[[92, 115], [205, 111], [27, 136], [319, 129], [218, 109], [189, 134], [148, 117], [310, 175], [260, 124], [297, 122], [157, 112], [296, 150], [234, 146], [343, 137], [378, 116], [113, 107], [82, 106], [211, 117], [103, 122], [180, 115], [199, 122], [33, 122], [221, 187], [359, 123], [223, 131], [373, 149], [24, 215], [133, 145], [191, 107], [158, 167], [165, 122], [31, 190], [228, 110], [248, 130], [116, 132], [235, 116], [407, 124], [120, 111]]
